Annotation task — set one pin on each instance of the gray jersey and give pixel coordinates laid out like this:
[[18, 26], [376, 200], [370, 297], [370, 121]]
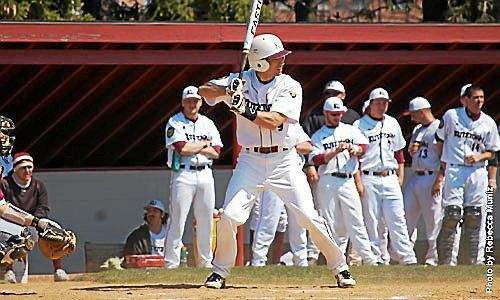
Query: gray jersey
[[5, 165], [427, 156]]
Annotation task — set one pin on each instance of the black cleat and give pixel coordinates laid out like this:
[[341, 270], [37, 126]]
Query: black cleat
[[215, 281], [345, 280]]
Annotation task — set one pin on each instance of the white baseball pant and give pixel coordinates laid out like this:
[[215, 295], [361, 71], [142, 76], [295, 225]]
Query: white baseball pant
[[277, 172], [383, 206], [271, 218], [197, 188], [418, 201], [340, 205]]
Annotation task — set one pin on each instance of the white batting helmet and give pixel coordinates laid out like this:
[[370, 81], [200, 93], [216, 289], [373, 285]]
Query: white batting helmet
[[265, 46]]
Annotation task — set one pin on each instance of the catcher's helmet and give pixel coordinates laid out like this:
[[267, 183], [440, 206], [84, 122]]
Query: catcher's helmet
[[265, 46], [7, 137]]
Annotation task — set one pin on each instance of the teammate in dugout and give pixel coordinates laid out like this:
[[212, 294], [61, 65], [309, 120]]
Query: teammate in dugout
[[337, 147], [417, 195], [149, 238], [469, 138], [193, 142], [382, 171], [265, 104], [270, 216]]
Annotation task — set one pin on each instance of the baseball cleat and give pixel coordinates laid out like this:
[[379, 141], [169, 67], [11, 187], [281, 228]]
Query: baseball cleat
[[60, 275], [215, 281], [345, 280], [10, 277]]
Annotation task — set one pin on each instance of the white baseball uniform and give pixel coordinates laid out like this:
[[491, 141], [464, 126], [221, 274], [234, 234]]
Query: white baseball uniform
[[193, 183], [337, 196], [5, 165], [465, 184], [269, 215], [383, 200], [418, 199], [265, 163]]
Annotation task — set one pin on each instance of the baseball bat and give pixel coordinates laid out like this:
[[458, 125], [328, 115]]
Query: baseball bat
[[251, 30]]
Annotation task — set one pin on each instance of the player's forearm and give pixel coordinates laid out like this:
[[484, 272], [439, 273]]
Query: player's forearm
[[15, 215], [486, 156], [210, 152], [211, 91], [269, 120], [304, 148], [400, 171], [192, 148]]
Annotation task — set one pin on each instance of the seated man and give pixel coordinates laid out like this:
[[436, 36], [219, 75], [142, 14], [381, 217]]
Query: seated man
[[149, 238]]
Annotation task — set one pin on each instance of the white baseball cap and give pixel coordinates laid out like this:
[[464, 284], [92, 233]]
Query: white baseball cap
[[464, 89], [156, 204], [190, 92], [334, 85], [334, 104], [365, 105], [379, 93], [418, 103]]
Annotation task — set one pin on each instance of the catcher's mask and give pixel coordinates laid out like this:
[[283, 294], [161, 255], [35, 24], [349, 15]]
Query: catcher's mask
[[7, 137]]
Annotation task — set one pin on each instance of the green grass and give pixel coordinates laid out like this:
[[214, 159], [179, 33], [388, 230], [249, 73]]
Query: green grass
[[280, 275]]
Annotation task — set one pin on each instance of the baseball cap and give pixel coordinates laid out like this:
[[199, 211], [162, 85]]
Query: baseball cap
[[22, 159], [464, 89], [190, 92], [418, 103], [335, 86], [156, 204], [379, 93], [334, 104], [365, 105]]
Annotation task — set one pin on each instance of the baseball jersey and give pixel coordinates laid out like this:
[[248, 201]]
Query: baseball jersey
[[283, 95], [463, 136], [158, 241], [295, 136], [384, 138], [427, 156], [327, 138], [5, 165], [181, 129]]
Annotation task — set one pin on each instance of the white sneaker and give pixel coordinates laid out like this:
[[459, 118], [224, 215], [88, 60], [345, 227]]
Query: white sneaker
[[345, 280], [61, 275], [10, 277]]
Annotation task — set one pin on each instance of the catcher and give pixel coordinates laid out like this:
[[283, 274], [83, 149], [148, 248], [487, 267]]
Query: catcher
[[54, 242]]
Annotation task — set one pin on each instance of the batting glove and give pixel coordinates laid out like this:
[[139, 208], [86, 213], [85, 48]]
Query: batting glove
[[235, 86]]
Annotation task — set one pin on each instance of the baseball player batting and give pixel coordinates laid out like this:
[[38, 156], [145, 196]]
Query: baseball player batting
[[266, 102], [417, 195], [337, 147], [469, 138], [193, 142], [382, 172]]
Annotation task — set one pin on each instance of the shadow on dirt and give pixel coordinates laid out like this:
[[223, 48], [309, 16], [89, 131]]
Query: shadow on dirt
[[114, 288]]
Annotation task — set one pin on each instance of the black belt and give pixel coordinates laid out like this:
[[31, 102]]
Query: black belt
[[266, 150], [197, 168], [381, 173], [342, 175], [423, 173]]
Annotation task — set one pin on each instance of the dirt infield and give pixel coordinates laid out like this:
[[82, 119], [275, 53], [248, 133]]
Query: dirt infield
[[263, 283]]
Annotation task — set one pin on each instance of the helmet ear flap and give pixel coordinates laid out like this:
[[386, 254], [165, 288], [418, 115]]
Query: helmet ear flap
[[260, 65]]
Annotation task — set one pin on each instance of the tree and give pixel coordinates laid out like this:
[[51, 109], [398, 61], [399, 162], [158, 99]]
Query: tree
[[235, 11], [46, 10]]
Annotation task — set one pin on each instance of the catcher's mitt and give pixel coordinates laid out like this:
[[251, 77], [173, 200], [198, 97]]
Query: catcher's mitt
[[55, 242]]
